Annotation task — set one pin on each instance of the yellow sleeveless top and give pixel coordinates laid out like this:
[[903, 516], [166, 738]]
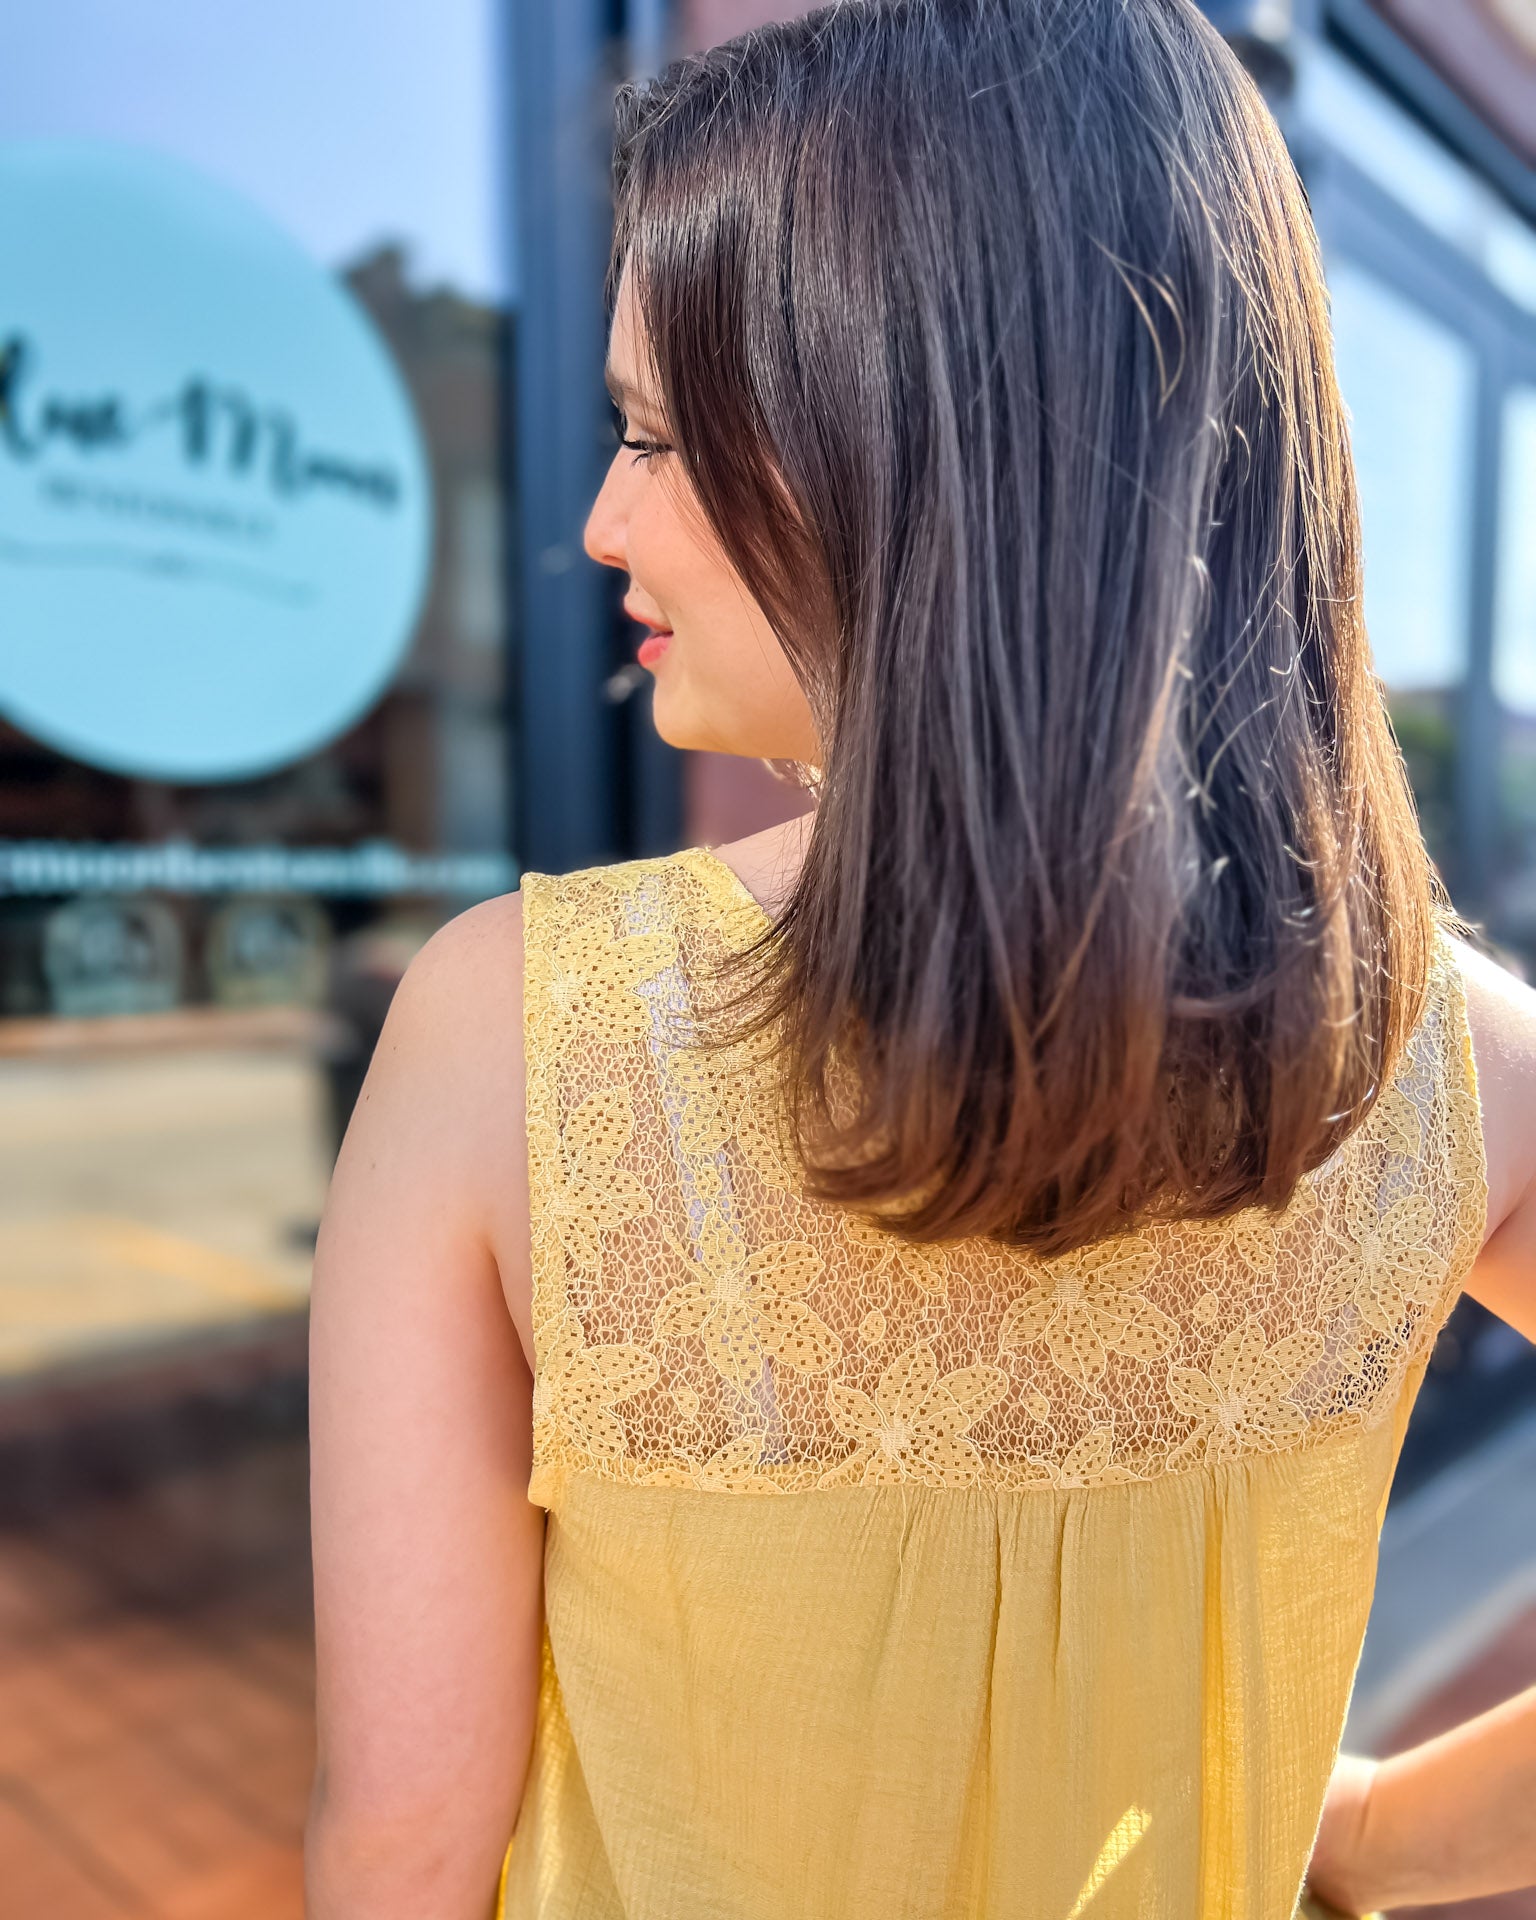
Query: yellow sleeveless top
[[895, 1583]]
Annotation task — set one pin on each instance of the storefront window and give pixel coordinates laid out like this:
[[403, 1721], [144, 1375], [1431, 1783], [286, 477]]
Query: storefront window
[[195, 954], [1410, 386], [1514, 675], [377, 152]]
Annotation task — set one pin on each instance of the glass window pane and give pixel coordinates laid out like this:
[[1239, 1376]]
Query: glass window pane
[[1339, 105], [1410, 386], [1514, 674], [193, 969]]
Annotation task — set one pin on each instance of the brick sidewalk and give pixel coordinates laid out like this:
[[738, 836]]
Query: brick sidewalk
[[156, 1664]]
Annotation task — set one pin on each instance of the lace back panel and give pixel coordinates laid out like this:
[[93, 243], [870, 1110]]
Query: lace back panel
[[699, 1323]]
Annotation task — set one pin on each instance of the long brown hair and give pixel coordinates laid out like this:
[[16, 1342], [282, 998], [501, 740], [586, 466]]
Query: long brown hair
[[993, 340]]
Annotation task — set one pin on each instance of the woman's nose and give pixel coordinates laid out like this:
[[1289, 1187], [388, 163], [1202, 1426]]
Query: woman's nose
[[603, 537]]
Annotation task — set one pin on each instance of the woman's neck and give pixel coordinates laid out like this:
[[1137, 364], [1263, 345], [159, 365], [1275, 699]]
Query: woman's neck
[[767, 863]]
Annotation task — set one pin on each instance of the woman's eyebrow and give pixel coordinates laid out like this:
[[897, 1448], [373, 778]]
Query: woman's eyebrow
[[622, 390]]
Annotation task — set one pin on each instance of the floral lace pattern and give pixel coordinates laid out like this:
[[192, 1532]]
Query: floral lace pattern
[[699, 1323]]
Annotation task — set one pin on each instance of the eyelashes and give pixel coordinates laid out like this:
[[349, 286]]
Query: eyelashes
[[643, 450]]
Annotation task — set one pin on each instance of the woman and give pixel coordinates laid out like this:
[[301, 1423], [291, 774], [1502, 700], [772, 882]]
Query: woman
[[857, 1372]]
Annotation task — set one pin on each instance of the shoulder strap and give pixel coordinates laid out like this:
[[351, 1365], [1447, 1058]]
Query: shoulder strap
[[1456, 1135], [1408, 1190], [607, 1007]]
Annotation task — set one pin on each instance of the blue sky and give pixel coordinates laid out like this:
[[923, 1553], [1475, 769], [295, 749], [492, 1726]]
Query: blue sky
[[350, 121]]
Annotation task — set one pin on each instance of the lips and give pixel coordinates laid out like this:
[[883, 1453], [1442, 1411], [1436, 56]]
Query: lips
[[652, 648]]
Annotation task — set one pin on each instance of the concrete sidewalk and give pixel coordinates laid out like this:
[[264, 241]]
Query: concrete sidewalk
[[148, 1198], [157, 1212]]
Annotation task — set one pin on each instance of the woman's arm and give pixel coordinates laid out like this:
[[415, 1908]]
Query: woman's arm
[[1456, 1817], [427, 1554], [1452, 1819]]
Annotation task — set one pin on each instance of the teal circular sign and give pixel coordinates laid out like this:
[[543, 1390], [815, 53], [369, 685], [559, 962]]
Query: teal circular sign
[[215, 510]]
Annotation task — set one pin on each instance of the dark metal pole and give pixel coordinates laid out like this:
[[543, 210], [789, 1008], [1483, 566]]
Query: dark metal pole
[[655, 822], [565, 808], [591, 779]]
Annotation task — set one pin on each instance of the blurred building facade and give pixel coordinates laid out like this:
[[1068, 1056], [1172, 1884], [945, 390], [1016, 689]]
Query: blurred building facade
[[425, 771], [516, 729], [192, 974]]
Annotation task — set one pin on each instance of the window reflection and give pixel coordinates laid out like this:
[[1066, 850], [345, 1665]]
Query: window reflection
[[1514, 675], [378, 152], [1410, 386], [193, 973]]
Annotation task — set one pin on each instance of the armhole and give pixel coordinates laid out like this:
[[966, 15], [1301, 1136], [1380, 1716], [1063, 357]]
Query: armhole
[[1465, 1155]]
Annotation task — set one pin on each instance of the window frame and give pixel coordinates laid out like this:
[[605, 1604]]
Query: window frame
[[1358, 221]]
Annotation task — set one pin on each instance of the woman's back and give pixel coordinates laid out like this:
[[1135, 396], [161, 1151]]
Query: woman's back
[[982, 464], [891, 1580]]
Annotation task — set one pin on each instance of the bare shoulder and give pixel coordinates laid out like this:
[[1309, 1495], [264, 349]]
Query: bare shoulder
[[459, 1003], [472, 949], [455, 1030], [1501, 1016]]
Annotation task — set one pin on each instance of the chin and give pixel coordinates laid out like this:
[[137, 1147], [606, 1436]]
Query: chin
[[671, 725], [680, 725]]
